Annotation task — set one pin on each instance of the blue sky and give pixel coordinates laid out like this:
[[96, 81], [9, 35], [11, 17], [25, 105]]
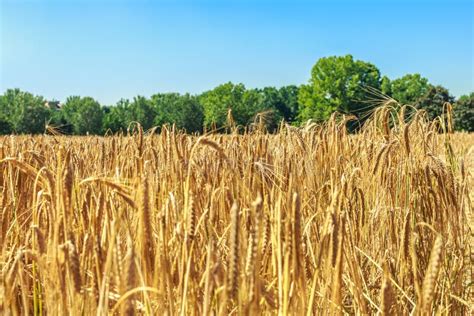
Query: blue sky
[[114, 49]]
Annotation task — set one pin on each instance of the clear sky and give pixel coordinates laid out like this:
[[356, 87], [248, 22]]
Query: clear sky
[[114, 49]]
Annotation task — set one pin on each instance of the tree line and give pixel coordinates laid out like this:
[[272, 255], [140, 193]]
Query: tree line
[[337, 84]]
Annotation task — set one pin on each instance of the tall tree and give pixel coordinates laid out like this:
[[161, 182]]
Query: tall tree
[[386, 86], [338, 84], [141, 111], [5, 126], [218, 101], [282, 102], [464, 113], [409, 88], [261, 107], [60, 123], [289, 106], [182, 110], [269, 102], [433, 101], [117, 117], [84, 114], [26, 113]]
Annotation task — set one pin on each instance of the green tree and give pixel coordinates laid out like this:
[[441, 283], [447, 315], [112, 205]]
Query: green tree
[[59, 122], [272, 104], [464, 113], [84, 114], [260, 107], [182, 110], [283, 103], [289, 105], [433, 101], [218, 101], [409, 88], [386, 86], [269, 102], [117, 117], [338, 84], [142, 111], [26, 113], [5, 126]]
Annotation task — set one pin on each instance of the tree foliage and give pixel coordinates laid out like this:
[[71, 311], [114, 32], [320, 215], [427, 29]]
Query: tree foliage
[[386, 86], [409, 88], [248, 106], [464, 113], [338, 84], [24, 112], [217, 102], [282, 102], [141, 111], [288, 105], [182, 110], [116, 118], [5, 126], [433, 101], [83, 114]]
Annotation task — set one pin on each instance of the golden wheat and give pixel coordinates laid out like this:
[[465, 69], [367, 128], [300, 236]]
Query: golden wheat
[[310, 220]]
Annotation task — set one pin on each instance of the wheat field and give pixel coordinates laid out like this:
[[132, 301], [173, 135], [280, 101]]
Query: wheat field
[[307, 221]]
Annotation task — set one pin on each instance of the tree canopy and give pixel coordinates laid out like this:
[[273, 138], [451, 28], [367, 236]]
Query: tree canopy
[[337, 83], [433, 101], [84, 114], [25, 112], [217, 102], [409, 88], [464, 113], [184, 111]]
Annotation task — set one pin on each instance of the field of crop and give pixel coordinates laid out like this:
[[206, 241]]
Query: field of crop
[[310, 220]]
